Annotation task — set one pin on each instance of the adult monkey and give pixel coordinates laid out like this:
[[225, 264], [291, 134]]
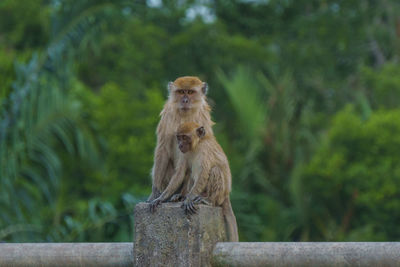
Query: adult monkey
[[187, 102]]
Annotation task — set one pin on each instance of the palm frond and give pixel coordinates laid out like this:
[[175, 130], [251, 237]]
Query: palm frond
[[39, 115], [246, 98]]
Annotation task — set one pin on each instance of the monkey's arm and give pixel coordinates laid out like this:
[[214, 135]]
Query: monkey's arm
[[176, 180], [200, 183], [173, 185], [178, 197], [194, 196]]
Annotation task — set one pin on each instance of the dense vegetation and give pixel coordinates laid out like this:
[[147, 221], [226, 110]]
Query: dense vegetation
[[305, 95]]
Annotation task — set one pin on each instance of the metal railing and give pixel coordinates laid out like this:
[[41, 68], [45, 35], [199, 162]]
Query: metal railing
[[225, 254], [307, 254], [66, 254]]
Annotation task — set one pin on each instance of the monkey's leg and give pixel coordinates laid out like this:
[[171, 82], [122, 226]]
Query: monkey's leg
[[182, 192], [155, 199], [219, 195], [159, 170], [156, 191]]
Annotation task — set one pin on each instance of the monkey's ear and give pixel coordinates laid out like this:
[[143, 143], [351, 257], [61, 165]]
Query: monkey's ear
[[204, 88], [171, 87], [201, 132]]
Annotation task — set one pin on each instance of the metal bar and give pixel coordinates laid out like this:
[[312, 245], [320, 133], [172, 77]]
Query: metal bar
[[307, 254], [66, 254]]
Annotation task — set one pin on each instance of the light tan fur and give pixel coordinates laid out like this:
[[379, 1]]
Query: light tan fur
[[210, 178], [166, 153]]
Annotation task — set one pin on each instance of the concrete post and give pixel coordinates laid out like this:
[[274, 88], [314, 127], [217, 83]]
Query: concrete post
[[307, 254], [170, 238]]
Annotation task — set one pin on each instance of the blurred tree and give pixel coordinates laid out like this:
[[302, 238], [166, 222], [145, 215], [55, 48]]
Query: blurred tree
[[269, 129], [77, 120], [126, 121], [352, 181], [382, 86], [22, 30], [130, 55], [38, 121], [322, 42]]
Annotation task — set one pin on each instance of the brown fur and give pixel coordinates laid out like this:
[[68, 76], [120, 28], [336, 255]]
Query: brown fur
[[166, 153], [210, 175], [187, 82], [186, 128]]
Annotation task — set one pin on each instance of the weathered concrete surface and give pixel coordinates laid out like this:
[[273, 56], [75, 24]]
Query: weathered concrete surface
[[170, 238], [307, 254], [66, 254]]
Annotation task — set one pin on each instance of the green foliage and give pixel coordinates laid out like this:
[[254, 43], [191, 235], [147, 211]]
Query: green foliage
[[49, 121], [382, 86], [82, 84], [266, 111], [125, 121], [352, 181], [130, 55], [24, 28], [40, 121]]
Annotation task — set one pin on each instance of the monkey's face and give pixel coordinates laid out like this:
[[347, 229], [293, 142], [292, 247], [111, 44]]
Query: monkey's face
[[184, 142], [187, 98], [189, 135], [187, 93]]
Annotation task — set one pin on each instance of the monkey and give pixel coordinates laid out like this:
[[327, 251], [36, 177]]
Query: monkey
[[186, 102], [210, 178]]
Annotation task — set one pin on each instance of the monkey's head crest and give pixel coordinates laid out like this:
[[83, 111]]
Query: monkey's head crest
[[188, 82]]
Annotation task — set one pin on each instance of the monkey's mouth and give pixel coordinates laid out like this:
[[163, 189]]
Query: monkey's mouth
[[183, 149], [185, 109]]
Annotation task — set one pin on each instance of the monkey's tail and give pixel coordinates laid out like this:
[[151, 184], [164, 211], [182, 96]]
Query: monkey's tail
[[230, 221]]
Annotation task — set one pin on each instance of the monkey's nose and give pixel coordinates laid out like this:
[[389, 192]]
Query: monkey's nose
[[185, 100]]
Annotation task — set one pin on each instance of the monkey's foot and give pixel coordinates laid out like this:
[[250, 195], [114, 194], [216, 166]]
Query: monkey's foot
[[154, 204], [201, 200], [177, 198], [189, 204]]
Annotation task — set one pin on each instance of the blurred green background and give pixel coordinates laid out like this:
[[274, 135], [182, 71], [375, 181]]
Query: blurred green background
[[305, 94]]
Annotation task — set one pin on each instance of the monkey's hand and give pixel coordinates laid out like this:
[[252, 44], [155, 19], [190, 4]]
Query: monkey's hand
[[154, 194], [177, 198], [189, 204], [154, 204]]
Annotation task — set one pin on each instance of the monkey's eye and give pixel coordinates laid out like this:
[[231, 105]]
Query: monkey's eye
[[181, 92], [190, 92]]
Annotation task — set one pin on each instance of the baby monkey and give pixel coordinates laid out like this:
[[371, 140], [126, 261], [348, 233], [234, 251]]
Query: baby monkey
[[210, 179]]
